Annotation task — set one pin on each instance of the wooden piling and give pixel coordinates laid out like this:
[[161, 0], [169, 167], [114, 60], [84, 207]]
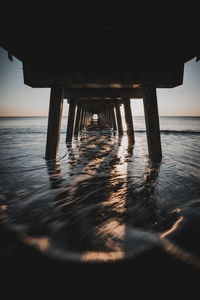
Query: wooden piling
[[108, 119], [70, 123], [119, 119], [84, 119], [54, 122], [114, 125], [152, 123], [104, 118], [129, 120], [77, 123], [81, 117]]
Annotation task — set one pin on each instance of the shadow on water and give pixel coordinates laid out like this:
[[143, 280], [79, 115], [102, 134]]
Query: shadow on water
[[105, 212], [101, 211], [102, 206]]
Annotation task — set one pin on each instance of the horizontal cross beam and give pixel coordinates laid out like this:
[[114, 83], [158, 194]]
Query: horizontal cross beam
[[103, 93], [165, 76]]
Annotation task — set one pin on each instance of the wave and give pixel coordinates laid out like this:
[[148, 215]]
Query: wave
[[174, 131], [162, 131], [180, 132]]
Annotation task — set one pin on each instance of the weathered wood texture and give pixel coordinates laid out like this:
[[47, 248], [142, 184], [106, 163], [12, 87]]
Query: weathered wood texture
[[54, 122], [152, 123]]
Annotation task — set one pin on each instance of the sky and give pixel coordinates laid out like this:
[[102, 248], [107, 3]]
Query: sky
[[18, 99]]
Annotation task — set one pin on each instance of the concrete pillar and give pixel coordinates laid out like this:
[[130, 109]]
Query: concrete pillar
[[71, 118], [152, 123], [129, 120], [77, 123], [119, 119], [54, 122]]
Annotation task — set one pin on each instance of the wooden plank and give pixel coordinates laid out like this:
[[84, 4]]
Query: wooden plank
[[152, 123], [54, 122]]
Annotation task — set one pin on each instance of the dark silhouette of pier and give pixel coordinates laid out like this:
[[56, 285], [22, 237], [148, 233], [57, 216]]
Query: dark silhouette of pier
[[98, 63]]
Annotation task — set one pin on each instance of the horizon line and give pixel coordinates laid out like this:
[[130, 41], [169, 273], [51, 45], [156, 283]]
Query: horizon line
[[46, 116]]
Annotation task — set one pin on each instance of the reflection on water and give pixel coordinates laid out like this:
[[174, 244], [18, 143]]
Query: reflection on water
[[102, 205], [54, 171]]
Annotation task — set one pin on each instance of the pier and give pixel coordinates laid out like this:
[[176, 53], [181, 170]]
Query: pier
[[96, 208], [105, 103], [95, 66]]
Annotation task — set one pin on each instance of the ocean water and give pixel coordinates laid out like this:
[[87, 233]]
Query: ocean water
[[103, 200]]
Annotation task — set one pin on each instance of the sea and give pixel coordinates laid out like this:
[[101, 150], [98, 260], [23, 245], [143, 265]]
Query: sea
[[103, 200]]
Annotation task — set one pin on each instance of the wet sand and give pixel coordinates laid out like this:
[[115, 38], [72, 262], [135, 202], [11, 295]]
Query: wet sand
[[153, 272]]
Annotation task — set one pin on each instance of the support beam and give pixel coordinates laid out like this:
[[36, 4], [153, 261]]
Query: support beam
[[108, 120], [152, 123], [166, 75], [129, 120], [101, 93], [77, 123], [70, 123], [82, 117], [119, 119], [114, 125], [54, 122]]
